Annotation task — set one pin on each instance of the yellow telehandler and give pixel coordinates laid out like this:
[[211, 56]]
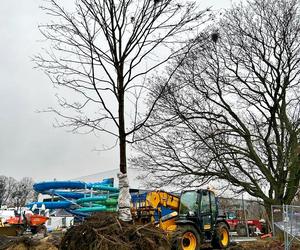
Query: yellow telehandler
[[195, 218]]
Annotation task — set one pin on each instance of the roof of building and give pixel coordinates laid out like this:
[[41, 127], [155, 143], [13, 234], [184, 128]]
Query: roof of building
[[133, 174]]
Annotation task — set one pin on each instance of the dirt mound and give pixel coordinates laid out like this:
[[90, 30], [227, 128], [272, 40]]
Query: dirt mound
[[29, 243], [104, 231], [6, 241], [262, 245], [266, 244]]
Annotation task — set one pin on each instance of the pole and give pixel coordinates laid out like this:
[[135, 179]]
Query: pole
[[245, 219]]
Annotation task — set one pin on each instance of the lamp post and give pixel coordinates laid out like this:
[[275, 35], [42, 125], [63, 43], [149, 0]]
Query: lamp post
[[244, 211]]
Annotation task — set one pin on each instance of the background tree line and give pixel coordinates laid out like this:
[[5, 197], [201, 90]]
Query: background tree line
[[15, 193]]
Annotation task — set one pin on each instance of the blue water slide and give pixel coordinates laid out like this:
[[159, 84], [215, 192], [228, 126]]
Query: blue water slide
[[96, 209], [49, 185], [68, 190], [92, 199], [105, 183], [51, 204], [45, 186], [67, 194], [105, 188], [77, 213]]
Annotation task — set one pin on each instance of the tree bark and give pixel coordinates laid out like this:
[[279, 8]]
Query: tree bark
[[124, 195], [122, 137]]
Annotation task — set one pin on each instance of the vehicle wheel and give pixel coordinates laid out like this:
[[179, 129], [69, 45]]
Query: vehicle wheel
[[221, 237], [241, 230], [188, 238], [42, 229], [33, 230], [39, 230], [264, 228], [20, 229], [252, 230]]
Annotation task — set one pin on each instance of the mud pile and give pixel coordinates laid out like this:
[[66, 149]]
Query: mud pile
[[5, 242], [29, 243], [266, 244], [104, 231]]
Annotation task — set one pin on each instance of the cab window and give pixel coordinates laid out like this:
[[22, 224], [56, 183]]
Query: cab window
[[188, 202], [213, 203], [205, 203]]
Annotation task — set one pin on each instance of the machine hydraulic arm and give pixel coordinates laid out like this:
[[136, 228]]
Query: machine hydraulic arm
[[161, 198]]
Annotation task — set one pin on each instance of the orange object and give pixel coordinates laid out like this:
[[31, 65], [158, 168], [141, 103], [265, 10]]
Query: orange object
[[36, 220], [31, 219], [14, 220], [266, 236]]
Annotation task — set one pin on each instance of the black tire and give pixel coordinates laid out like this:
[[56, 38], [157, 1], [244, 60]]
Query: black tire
[[252, 230], [20, 229], [33, 230], [241, 230], [187, 237], [42, 229], [264, 228], [221, 237]]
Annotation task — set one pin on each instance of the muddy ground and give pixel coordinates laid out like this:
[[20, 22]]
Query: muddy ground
[[52, 243], [106, 232], [30, 243]]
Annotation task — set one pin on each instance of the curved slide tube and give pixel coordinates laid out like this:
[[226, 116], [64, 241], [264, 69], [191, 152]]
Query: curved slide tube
[[51, 204], [49, 185], [97, 204], [67, 194], [96, 209]]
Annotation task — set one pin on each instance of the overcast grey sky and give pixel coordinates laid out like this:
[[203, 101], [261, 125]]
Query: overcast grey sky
[[29, 145]]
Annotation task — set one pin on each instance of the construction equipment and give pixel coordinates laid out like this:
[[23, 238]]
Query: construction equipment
[[9, 231], [195, 218], [237, 222], [17, 225]]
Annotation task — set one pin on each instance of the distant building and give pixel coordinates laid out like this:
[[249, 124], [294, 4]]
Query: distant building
[[133, 175]]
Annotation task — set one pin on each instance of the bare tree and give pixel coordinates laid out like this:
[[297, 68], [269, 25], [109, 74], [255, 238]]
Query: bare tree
[[22, 193], [231, 111], [7, 186], [15, 193], [2, 190], [103, 50]]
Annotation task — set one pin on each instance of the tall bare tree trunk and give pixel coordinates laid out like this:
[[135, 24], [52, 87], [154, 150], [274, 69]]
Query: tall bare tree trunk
[[124, 195]]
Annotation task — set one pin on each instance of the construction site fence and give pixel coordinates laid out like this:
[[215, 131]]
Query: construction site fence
[[286, 218]]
